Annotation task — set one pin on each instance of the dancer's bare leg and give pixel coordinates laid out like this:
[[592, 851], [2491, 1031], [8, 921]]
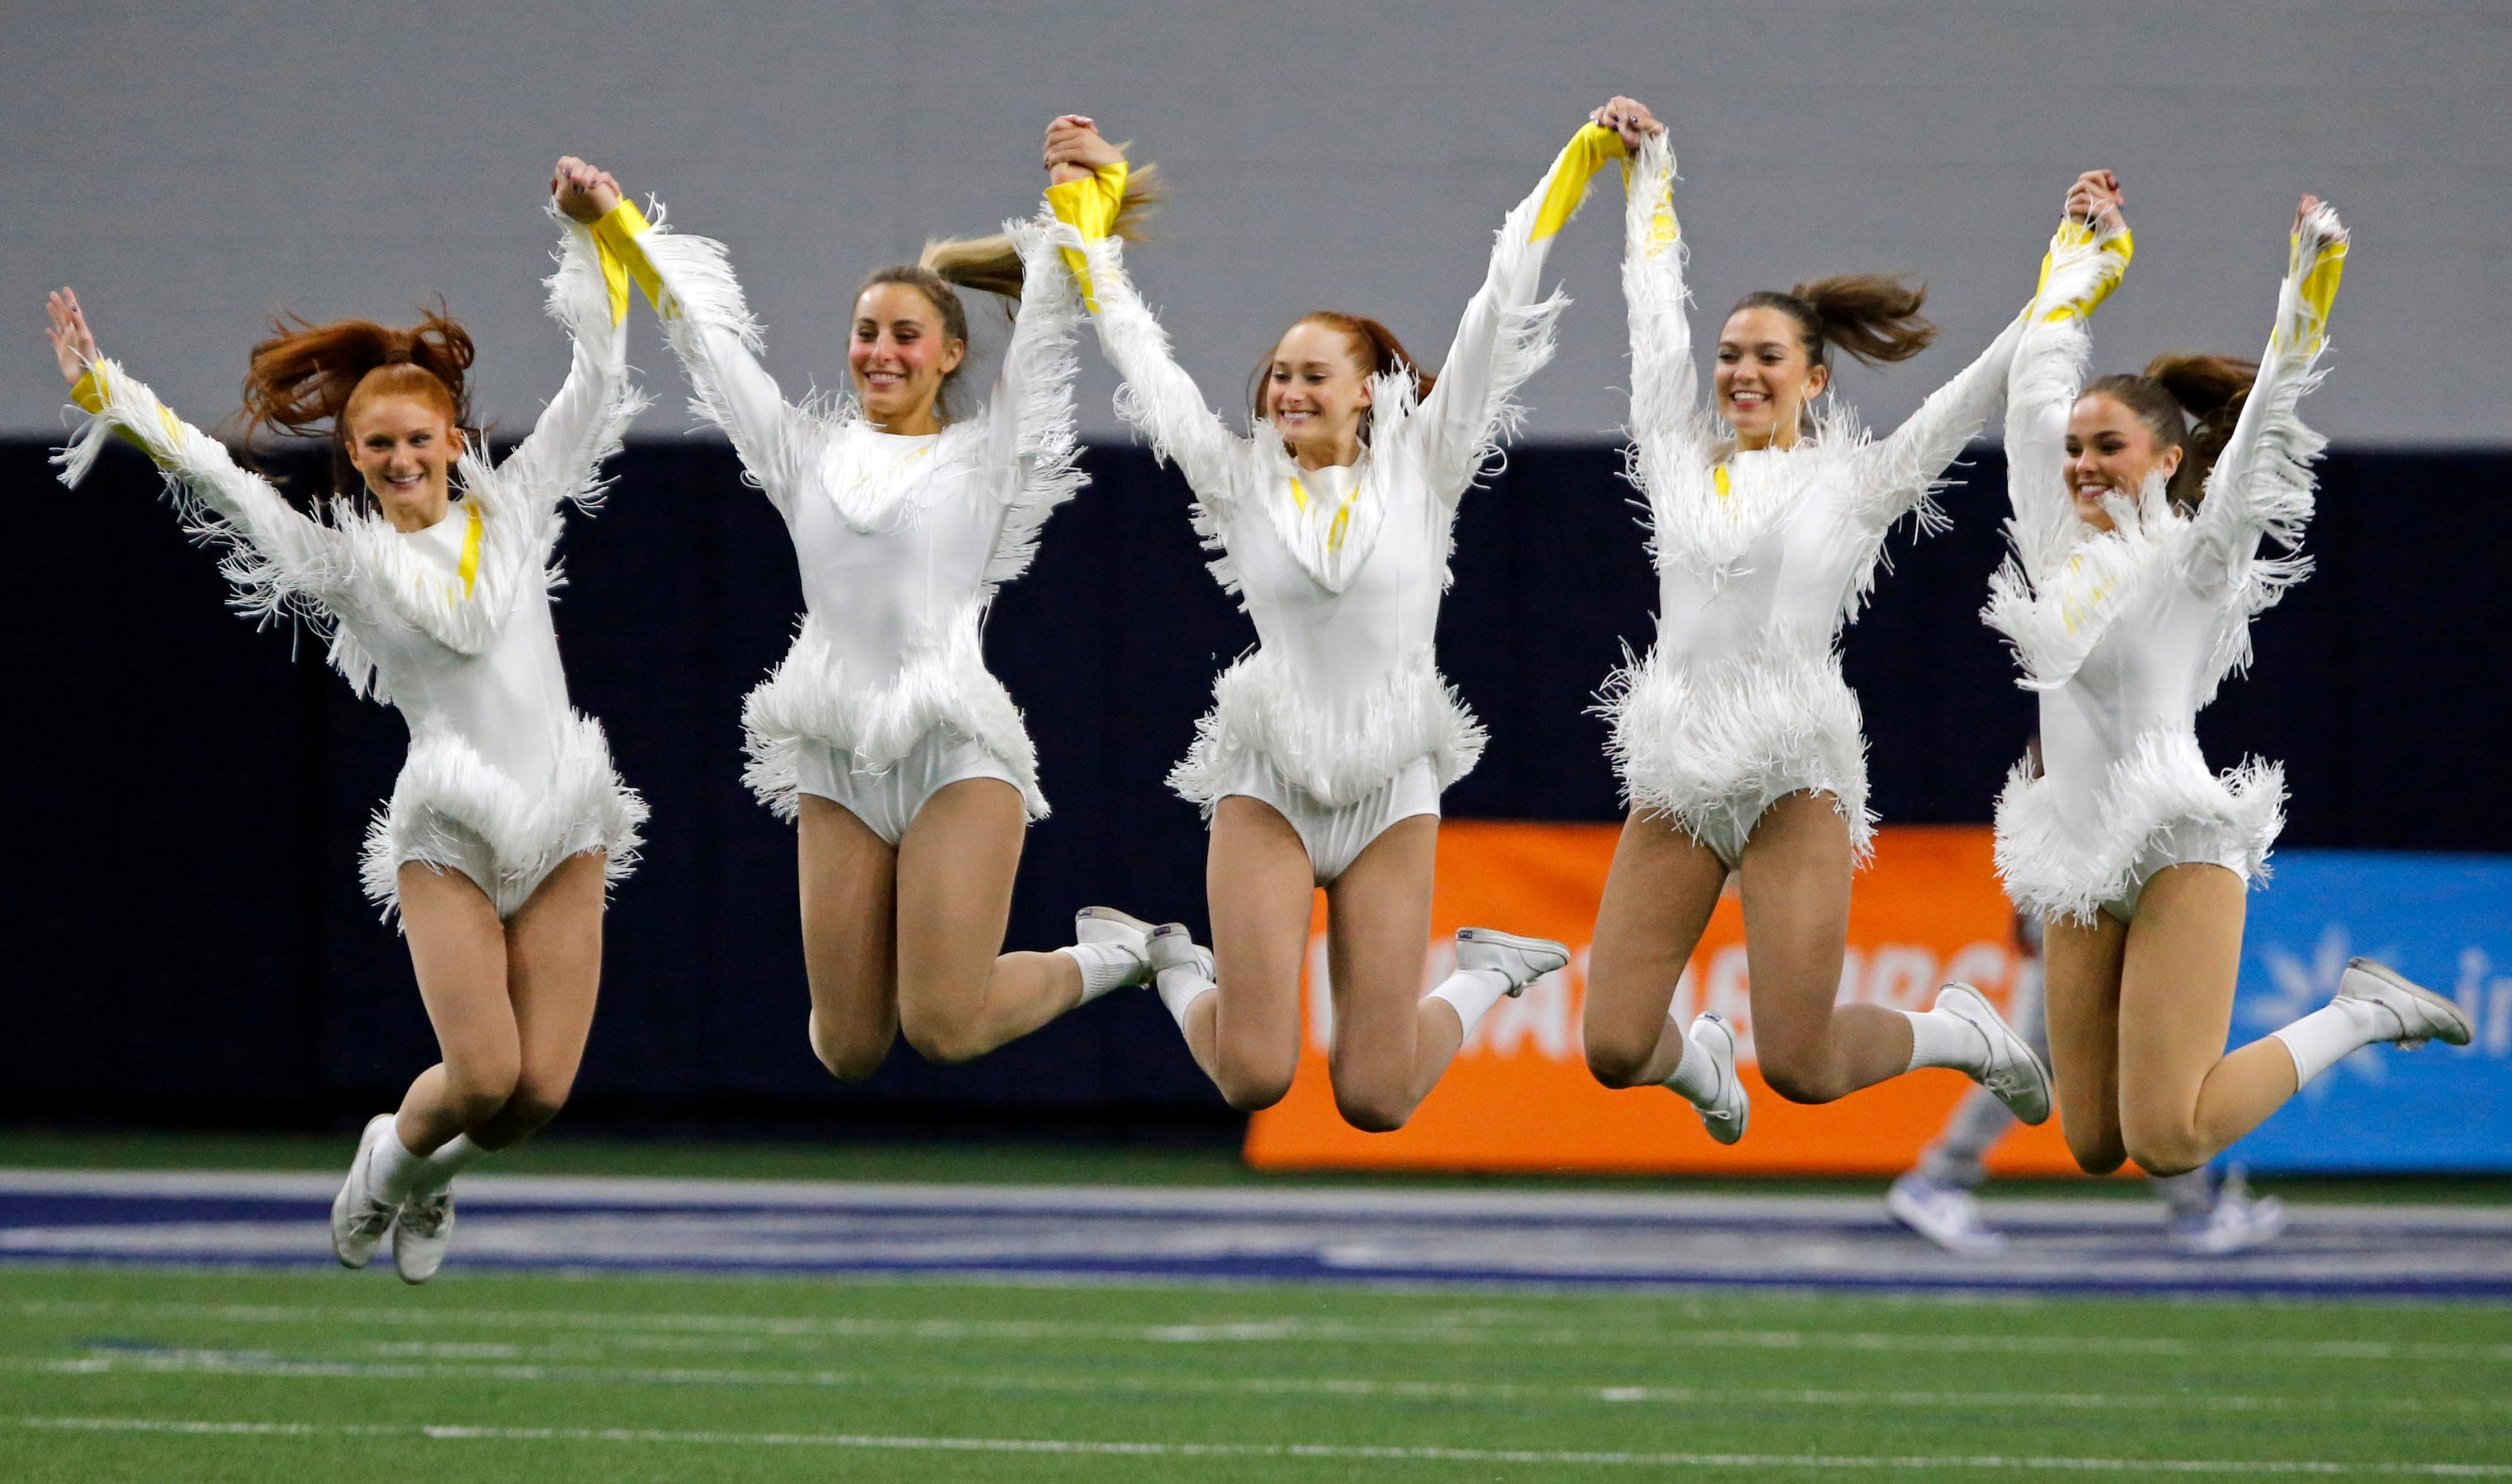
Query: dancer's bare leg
[[958, 994], [457, 948], [1794, 880], [1659, 895], [1245, 1034], [2081, 970], [1390, 1041], [849, 912], [553, 978], [2183, 1100]]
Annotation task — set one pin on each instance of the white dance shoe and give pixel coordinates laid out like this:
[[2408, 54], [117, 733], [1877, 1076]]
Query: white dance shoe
[[359, 1221], [1107, 927], [2235, 1220], [1731, 1108], [422, 1235], [2013, 1072], [1947, 1215], [2421, 1014], [1520, 961]]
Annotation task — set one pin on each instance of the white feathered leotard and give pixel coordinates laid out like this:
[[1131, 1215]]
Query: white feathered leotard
[[1340, 571], [901, 541], [1762, 555], [2128, 633], [451, 624]]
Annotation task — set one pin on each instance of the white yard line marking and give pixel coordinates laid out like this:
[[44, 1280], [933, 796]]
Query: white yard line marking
[[906, 1443], [179, 1362], [1278, 1330]]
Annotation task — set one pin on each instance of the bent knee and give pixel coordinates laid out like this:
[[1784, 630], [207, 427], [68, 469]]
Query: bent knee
[[1617, 1060], [535, 1102], [2098, 1155], [1252, 1090], [849, 1055], [479, 1094], [1373, 1115], [941, 1042], [2166, 1154], [1800, 1082]]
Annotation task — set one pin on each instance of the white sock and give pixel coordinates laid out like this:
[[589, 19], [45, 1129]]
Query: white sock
[[392, 1170], [1180, 987], [1943, 1038], [1471, 993], [437, 1170], [2328, 1034], [1695, 1076], [1104, 967]]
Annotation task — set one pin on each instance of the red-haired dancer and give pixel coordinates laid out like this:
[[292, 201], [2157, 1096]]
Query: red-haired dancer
[[429, 568]]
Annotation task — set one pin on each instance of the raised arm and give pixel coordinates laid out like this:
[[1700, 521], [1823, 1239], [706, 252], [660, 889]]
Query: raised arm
[[2088, 255], [2261, 485], [1158, 397], [282, 562], [1665, 387], [1030, 423], [560, 458], [708, 322], [1507, 333], [1903, 469]]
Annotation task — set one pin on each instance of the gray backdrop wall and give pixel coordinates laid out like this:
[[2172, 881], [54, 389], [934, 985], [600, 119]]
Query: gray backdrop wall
[[193, 167]]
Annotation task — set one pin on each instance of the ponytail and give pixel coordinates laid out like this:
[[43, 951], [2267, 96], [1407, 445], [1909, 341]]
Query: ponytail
[[2189, 403], [1873, 316], [305, 379]]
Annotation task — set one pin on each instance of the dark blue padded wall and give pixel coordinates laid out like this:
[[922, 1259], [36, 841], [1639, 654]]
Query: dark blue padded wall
[[186, 796]]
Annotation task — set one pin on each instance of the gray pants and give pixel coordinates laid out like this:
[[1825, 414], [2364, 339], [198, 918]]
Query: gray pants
[[1979, 1120]]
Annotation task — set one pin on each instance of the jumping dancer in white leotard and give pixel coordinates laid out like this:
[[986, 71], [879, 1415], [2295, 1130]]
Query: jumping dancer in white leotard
[[1737, 739], [903, 761], [2137, 570], [430, 571], [1323, 758]]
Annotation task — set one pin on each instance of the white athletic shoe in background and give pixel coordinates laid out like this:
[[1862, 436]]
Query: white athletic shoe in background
[[1731, 1108], [1520, 961], [2014, 1074], [2236, 1222], [2421, 1014], [359, 1221], [1945, 1214], [1107, 927], [422, 1235]]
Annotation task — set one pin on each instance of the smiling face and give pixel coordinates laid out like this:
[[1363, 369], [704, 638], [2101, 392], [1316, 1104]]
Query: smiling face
[[405, 447], [899, 356], [2112, 451], [1315, 392], [1765, 379]]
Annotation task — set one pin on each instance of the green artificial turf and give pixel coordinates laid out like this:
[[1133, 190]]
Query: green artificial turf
[[155, 1375]]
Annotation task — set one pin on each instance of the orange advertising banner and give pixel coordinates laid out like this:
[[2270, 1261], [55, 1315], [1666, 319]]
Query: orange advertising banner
[[1519, 1097]]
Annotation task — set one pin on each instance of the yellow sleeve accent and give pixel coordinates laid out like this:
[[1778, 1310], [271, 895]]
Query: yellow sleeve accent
[[1587, 152], [2072, 233], [614, 237], [89, 394], [1089, 207], [2320, 281], [469, 568]]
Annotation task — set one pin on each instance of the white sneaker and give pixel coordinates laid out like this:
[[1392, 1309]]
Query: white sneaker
[[1107, 927], [1945, 1214], [1170, 945], [2236, 1222], [359, 1221], [1728, 1111], [2421, 1014], [1520, 961], [422, 1235], [2015, 1075]]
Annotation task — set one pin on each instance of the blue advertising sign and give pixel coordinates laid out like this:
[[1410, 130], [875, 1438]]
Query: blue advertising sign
[[2442, 920]]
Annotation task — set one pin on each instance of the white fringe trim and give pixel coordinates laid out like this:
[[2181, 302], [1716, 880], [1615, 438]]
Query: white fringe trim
[[1045, 444], [1714, 745], [944, 683], [528, 833], [2162, 787], [1337, 754]]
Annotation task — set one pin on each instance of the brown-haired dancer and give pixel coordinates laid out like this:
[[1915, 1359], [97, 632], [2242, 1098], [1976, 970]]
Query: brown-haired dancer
[[882, 734], [1322, 760], [430, 569], [2142, 504], [1736, 738]]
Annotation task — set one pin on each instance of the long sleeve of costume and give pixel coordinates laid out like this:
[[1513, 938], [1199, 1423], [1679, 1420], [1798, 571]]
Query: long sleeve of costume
[[1904, 469], [560, 458], [2084, 264], [1029, 419], [282, 562], [1506, 333], [2261, 485], [707, 320], [1157, 397], [1668, 425]]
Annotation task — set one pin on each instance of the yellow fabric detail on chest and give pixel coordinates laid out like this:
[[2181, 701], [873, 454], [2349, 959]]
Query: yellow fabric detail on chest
[[468, 568]]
